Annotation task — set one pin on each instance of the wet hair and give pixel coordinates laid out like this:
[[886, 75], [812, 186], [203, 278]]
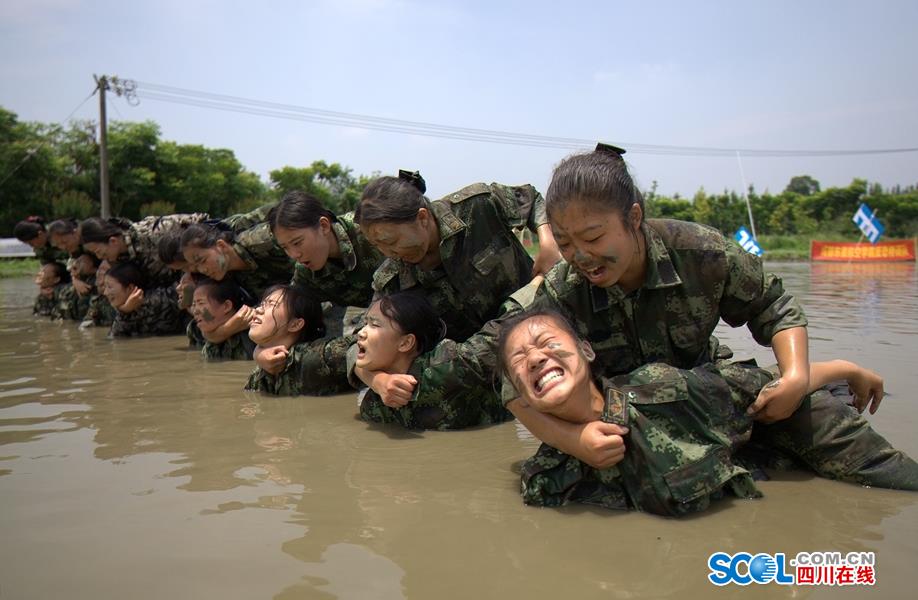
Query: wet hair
[[599, 177], [127, 274], [298, 210], [169, 248], [509, 325], [205, 236], [221, 291], [60, 271], [63, 226], [95, 230], [29, 228], [392, 199], [300, 305], [413, 314]]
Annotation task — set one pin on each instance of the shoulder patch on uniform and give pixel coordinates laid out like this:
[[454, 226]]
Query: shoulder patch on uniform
[[475, 189], [386, 272]]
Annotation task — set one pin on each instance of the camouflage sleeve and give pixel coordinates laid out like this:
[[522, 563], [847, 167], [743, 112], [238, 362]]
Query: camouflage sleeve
[[49, 254], [320, 367], [242, 221], [757, 298], [158, 315], [522, 205]]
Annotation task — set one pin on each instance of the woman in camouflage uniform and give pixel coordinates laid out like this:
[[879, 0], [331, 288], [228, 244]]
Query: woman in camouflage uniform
[[653, 291], [460, 251], [32, 232], [403, 337], [141, 311], [65, 235], [313, 365], [213, 304], [683, 427]]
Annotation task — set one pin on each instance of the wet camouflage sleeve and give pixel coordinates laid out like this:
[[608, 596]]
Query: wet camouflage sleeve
[[142, 239], [521, 205], [683, 428], [449, 394], [315, 368], [70, 305], [266, 261], [100, 312], [195, 337], [238, 347], [158, 315], [45, 306]]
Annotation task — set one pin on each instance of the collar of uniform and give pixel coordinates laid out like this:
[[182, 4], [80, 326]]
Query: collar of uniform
[[661, 273], [448, 224], [346, 246]]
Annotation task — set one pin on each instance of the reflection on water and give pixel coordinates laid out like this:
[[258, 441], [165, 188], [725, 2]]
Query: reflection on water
[[132, 467]]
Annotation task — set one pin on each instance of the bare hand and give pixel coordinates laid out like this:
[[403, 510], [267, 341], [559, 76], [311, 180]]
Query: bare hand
[[602, 444], [272, 359], [545, 260], [867, 388], [81, 287], [242, 319], [396, 389], [779, 399], [133, 302]]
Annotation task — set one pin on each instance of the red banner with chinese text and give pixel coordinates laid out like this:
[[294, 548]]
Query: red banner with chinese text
[[891, 250]]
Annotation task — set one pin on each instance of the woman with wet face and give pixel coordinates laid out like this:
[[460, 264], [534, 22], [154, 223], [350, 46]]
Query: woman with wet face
[[460, 251], [151, 311], [52, 281], [213, 304], [403, 338], [290, 319]]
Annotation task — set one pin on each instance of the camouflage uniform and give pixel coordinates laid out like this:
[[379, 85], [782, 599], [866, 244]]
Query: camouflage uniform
[[49, 254], [242, 221], [346, 281], [100, 313], [71, 306], [315, 368], [266, 261], [142, 240], [686, 428], [158, 315], [238, 347], [483, 262], [47, 307], [196, 338], [448, 395]]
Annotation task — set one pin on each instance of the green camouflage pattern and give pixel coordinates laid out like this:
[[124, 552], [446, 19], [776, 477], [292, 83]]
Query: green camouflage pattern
[[49, 254], [72, 306], [142, 240], [450, 394], [158, 315], [695, 277], [316, 368], [691, 440], [100, 312], [195, 337], [483, 261], [46, 306], [237, 347], [347, 281], [266, 262], [242, 221]]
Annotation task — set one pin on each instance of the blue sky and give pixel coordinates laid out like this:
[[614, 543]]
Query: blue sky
[[769, 75]]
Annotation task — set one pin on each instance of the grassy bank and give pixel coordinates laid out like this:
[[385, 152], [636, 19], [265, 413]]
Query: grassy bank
[[18, 267]]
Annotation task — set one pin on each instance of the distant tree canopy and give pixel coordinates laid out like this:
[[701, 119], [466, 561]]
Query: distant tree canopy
[[53, 171]]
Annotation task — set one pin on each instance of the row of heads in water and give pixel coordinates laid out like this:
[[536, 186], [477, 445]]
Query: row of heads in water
[[593, 205]]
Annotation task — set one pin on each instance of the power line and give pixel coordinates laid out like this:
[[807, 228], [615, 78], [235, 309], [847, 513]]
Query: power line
[[224, 102]]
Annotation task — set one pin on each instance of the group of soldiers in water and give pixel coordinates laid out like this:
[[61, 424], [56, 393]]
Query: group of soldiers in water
[[602, 346]]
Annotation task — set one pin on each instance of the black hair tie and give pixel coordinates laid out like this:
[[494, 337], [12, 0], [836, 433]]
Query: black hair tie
[[610, 149], [414, 178]]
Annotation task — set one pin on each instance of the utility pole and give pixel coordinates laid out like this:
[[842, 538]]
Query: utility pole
[[102, 87], [121, 87]]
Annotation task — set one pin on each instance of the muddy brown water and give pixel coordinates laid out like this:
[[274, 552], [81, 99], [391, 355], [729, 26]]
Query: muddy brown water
[[132, 468]]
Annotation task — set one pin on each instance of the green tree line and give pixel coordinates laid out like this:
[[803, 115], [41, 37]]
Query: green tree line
[[53, 171]]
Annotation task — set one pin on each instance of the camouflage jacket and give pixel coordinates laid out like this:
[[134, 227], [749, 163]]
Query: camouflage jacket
[[49, 254], [695, 277], [315, 368], [242, 221], [158, 315], [47, 306], [684, 427], [142, 240], [70, 305], [483, 261], [450, 394], [100, 312], [238, 347], [196, 339], [266, 262], [345, 281]]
